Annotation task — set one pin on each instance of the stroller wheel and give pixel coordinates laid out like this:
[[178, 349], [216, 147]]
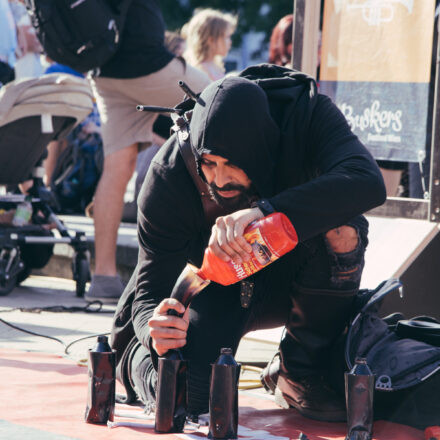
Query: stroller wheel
[[23, 274], [7, 286], [81, 274], [9, 269]]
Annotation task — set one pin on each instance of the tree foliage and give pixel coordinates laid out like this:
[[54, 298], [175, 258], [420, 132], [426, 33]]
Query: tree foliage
[[253, 15]]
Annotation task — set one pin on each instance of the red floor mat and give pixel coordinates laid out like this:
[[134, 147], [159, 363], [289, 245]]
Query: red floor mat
[[48, 393]]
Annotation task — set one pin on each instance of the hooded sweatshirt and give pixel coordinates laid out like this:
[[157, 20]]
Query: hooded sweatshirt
[[294, 145]]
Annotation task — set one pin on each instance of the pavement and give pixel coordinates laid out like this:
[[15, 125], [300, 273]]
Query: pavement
[[26, 306], [63, 324]]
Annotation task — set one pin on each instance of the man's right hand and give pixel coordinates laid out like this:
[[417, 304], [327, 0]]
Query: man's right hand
[[168, 331]]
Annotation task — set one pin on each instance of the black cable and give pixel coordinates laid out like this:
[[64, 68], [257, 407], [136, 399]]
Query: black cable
[[31, 332], [66, 350], [88, 308]]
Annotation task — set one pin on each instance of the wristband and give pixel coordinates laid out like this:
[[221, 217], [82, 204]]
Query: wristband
[[264, 205]]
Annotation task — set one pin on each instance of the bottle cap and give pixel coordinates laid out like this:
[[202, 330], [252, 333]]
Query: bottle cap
[[360, 360], [226, 351], [102, 338]]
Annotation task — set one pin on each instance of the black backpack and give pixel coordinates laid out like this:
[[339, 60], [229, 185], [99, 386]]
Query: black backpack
[[403, 354], [81, 34]]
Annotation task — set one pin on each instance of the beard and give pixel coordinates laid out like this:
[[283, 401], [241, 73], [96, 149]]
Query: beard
[[241, 201]]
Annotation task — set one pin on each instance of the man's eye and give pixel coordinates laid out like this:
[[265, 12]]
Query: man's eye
[[207, 163]]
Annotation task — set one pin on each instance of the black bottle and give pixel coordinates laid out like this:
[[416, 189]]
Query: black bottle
[[223, 397], [359, 391], [171, 394], [102, 379]]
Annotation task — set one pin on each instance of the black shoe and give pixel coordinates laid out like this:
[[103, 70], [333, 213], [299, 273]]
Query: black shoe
[[312, 397]]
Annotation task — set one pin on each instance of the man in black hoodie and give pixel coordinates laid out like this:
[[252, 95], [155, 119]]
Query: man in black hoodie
[[264, 141]]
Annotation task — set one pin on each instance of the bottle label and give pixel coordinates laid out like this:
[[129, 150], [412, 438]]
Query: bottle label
[[262, 255], [22, 215]]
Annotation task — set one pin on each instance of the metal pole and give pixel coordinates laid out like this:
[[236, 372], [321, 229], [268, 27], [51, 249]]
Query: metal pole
[[434, 186], [306, 35], [299, 8]]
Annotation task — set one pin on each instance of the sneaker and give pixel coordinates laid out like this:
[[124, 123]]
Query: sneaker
[[312, 397], [104, 288]]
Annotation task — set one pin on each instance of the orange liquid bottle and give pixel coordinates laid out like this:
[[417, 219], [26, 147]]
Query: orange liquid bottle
[[270, 237]]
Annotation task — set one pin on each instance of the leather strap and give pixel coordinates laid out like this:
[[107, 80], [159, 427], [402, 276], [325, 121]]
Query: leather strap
[[210, 208]]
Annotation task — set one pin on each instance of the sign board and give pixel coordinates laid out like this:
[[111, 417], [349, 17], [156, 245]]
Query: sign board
[[376, 66]]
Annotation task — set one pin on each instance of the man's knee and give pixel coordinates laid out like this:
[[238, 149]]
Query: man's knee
[[343, 239], [347, 249]]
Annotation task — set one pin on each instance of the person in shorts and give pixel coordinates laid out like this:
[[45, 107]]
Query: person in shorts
[[144, 72]]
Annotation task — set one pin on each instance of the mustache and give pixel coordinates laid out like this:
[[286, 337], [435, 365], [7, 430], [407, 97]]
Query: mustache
[[228, 187]]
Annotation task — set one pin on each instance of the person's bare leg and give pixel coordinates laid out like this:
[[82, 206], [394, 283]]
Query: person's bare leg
[[108, 205]]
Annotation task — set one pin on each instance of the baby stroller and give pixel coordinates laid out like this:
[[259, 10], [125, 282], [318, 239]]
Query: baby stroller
[[34, 112]]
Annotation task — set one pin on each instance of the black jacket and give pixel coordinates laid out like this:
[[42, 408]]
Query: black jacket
[[294, 145]]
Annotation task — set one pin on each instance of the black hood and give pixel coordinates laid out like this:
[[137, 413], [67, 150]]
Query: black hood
[[232, 120], [258, 121]]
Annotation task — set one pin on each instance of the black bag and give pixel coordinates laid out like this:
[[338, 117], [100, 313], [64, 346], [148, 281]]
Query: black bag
[[401, 355], [81, 34]]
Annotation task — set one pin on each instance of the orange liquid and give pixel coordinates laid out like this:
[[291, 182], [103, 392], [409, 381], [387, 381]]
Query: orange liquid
[[270, 237]]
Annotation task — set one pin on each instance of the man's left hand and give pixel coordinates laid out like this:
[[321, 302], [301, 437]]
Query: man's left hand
[[227, 241]]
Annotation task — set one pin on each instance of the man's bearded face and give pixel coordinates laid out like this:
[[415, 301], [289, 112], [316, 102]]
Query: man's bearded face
[[229, 185], [242, 200]]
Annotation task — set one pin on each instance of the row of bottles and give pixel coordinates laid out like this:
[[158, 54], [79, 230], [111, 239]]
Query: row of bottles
[[223, 398]]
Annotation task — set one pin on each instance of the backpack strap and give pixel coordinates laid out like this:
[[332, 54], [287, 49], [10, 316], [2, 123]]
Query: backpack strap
[[210, 208], [422, 328]]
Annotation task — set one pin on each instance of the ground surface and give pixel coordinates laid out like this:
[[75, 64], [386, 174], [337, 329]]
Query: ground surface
[[43, 391]]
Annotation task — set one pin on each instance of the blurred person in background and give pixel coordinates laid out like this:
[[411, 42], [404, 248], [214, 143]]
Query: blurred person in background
[[8, 34], [280, 48], [142, 71], [208, 38], [281, 45]]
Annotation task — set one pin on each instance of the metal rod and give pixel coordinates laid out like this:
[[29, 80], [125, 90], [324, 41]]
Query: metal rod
[[43, 240], [434, 184], [17, 198], [187, 90], [154, 109], [191, 93]]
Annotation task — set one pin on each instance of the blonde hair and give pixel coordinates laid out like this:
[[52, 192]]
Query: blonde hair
[[204, 29]]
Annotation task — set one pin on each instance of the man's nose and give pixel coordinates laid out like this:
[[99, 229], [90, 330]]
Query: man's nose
[[221, 177]]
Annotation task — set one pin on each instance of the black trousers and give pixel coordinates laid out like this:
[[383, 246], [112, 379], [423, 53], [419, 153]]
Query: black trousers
[[217, 318]]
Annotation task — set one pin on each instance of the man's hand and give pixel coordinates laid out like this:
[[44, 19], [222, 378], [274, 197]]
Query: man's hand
[[227, 241], [168, 331]]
